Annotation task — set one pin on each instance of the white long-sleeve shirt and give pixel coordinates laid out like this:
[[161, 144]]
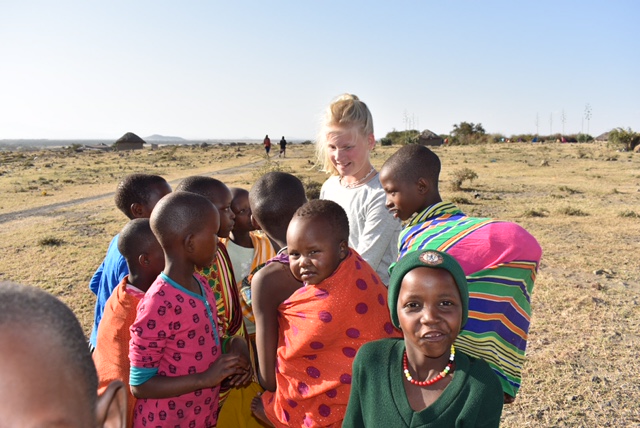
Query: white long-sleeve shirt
[[373, 231]]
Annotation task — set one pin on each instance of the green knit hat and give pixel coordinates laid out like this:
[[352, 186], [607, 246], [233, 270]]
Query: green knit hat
[[431, 259]]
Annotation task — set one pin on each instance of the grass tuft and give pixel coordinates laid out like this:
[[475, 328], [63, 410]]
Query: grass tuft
[[50, 241], [628, 214], [570, 211]]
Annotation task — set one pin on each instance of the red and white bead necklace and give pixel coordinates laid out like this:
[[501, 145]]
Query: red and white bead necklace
[[441, 375]]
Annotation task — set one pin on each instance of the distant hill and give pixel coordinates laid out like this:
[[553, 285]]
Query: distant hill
[[156, 137]]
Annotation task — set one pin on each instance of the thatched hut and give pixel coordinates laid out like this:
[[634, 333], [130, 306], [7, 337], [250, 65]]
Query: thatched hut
[[129, 141], [429, 138], [602, 137]]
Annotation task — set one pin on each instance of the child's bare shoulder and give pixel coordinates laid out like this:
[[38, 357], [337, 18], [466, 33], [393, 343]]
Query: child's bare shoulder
[[273, 283]]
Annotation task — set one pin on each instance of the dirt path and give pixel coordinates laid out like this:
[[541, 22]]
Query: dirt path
[[45, 209]]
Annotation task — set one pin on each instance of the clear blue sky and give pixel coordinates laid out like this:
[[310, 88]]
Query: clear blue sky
[[242, 69]]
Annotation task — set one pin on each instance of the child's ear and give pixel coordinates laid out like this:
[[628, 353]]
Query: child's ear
[[188, 242], [371, 140], [254, 223], [143, 259], [423, 186], [111, 408], [343, 251], [137, 210]]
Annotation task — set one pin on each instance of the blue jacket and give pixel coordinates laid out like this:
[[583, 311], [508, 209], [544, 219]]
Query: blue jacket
[[110, 273]]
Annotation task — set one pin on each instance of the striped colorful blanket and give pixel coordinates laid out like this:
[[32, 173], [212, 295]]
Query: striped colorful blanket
[[500, 260]]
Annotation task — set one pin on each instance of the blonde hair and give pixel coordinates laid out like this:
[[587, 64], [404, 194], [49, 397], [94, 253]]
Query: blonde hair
[[345, 111]]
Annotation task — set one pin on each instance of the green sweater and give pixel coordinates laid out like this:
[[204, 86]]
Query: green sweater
[[473, 398]]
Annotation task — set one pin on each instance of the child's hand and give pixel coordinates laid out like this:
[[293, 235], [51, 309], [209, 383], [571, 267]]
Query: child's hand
[[241, 380], [239, 348], [226, 365]]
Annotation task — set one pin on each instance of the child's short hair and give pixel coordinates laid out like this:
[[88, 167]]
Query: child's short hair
[[135, 188], [22, 306], [178, 215], [412, 162], [345, 111], [135, 238], [274, 198], [201, 185], [334, 214]]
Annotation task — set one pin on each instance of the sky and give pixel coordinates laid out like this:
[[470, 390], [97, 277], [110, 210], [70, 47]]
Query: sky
[[243, 69]]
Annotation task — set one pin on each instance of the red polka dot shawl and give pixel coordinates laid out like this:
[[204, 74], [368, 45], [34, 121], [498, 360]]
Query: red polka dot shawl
[[321, 327]]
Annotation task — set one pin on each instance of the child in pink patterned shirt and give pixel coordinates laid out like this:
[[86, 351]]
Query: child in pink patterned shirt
[[177, 360]]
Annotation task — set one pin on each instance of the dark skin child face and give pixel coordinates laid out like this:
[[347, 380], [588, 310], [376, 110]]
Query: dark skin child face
[[222, 201]]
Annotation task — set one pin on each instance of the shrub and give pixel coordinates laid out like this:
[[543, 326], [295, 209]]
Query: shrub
[[584, 138], [312, 189], [461, 175], [386, 141], [624, 138]]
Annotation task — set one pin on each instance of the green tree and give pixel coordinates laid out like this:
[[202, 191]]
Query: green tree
[[467, 128], [624, 137], [468, 133], [401, 137]]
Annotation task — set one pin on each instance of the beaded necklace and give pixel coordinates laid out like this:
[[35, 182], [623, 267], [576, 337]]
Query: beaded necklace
[[357, 183], [441, 375]]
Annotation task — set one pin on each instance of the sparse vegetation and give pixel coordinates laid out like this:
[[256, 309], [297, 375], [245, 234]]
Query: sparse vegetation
[[50, 241], [312, 188], [628, 214], [581, 363], [624, 139], [570, 211], [535, 213], [460, 175]]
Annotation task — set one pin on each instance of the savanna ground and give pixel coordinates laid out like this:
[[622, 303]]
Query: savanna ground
[[581, 201]]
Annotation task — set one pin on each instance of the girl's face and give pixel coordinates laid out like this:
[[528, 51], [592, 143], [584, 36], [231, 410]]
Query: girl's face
[[430, 312], [403, 197], [348, 151], [227, 217], [242, 211], [314, 254]]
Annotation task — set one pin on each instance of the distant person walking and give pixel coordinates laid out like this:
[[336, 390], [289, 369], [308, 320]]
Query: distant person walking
[[267, 144], [283, 148]]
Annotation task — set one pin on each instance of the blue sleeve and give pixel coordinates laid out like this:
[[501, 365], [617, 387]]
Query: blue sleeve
[[138, 376], [123, 269], [94, 284]]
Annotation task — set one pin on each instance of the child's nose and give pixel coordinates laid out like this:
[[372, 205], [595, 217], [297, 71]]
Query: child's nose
[[305, 261], [388, 203], [429, 314]]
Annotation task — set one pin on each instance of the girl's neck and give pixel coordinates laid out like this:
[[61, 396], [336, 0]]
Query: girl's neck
[[141, 280], [242, 239], [426, 367], [182, 273], [363, 176]]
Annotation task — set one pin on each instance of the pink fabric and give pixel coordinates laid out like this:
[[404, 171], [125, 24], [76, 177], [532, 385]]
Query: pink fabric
[[173, 332], [493, 244]]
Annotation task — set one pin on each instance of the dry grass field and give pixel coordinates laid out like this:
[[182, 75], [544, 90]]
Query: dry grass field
[[581, 201]]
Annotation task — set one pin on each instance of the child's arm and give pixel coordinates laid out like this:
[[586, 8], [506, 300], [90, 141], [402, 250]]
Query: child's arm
[[269, 288], [164, 387]]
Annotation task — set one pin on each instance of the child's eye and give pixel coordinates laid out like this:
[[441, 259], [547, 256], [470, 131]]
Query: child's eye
[[446, 303], [411, 305]]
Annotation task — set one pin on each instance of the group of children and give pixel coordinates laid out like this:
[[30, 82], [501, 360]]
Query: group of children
[[249, 308]]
